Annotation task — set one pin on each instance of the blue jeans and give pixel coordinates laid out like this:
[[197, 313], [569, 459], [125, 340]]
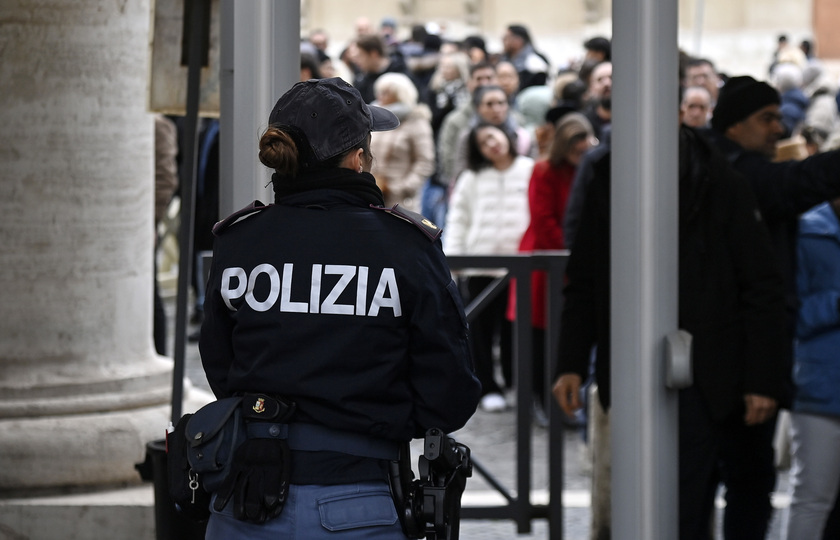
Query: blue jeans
[[363, 511], [434, 203]]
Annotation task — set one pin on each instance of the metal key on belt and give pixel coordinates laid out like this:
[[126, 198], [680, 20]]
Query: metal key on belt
[[193, 484]]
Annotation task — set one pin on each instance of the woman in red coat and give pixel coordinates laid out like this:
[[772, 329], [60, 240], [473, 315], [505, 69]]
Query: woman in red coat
[[548, 192]]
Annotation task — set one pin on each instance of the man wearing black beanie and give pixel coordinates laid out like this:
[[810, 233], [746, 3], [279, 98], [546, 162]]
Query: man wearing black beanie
[[739, 98], [746, 125]]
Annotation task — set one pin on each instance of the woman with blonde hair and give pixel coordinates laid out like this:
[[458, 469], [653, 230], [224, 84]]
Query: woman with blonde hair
[[405, 156], [448, 87]]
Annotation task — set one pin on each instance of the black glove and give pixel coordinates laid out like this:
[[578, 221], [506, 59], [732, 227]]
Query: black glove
[[258, 480]]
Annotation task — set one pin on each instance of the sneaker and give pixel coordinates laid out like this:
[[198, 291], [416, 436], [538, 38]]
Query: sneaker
[[540, 417], [493, 402]]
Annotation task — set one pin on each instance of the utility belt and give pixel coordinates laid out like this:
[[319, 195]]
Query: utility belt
[[315, 438], [240, 447]]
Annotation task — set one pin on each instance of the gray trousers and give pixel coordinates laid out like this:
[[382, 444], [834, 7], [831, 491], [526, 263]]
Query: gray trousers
[[815, 473]]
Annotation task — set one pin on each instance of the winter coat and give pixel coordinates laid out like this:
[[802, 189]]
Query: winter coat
[[822, 113], [531, 66], [348, 310], [793, 107], [783, 192], [166, 164], [447, 144], [404, 157], [548, 195], [488, 211], [817, 361], [730, 292]]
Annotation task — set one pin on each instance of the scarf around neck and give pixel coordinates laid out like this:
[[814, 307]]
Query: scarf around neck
[[362, 185]]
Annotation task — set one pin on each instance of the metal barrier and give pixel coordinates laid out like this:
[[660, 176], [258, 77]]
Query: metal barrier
[[519, 507]]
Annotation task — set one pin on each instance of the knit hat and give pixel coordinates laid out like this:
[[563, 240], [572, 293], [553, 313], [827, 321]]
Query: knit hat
[[332, 115], [739, 98]]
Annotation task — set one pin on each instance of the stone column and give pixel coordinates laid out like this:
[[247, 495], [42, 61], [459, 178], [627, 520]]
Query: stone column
[[81, 388]]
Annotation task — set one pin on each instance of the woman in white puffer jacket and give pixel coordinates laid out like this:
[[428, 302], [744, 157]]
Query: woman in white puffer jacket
[[488, 214]]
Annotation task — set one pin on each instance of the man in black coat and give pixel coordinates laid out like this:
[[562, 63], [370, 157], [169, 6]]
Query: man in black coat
[[746, 126], [731, 300]]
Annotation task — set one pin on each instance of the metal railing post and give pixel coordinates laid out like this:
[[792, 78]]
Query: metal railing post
[[519, 508]]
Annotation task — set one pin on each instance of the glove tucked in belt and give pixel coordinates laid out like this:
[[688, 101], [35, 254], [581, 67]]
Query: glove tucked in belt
[[258, 480]]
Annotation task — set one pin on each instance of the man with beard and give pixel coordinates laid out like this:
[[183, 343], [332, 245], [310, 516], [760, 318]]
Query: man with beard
[[598, 108], [731, 300], [746, 125]]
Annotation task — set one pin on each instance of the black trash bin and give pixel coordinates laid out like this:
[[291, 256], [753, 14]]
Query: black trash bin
[[169, 523]]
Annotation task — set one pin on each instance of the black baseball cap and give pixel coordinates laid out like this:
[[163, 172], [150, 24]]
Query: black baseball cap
[[331, 114]]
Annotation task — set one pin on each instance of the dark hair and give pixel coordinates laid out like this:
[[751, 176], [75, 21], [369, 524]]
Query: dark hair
[[586, 69], [481, 65], [573, 93], [432, 43], [478, 93], [475, 41], [599, 44], [308, 61], [418, 33], [279, 151], [694, 62], [520, 31], [286, 150], [371, 43], [475, 159]]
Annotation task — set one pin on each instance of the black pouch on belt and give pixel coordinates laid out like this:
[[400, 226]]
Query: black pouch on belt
[[258, 481], [213, 434], [184, 489]]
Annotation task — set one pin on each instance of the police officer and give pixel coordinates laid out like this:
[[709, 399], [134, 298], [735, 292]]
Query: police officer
[[342, 311]]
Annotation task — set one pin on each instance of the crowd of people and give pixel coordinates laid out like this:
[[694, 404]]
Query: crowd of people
[[476, 125], [521, 163], [508, 153]]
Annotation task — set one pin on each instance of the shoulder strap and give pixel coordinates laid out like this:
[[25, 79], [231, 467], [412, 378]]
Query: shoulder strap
[[431, 230], [235, 217]]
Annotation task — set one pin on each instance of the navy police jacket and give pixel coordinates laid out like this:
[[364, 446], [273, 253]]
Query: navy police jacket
[[344, 308]]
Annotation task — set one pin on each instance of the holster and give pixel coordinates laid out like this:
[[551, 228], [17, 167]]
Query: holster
[[430, 507], [404, 491]]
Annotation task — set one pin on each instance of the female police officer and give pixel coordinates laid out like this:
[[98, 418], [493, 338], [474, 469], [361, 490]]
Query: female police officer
[[342, 312]]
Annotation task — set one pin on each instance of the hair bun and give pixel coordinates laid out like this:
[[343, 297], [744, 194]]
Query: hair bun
[[278, 151]]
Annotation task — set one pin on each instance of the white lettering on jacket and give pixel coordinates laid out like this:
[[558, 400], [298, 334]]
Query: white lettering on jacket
[[237, 283]]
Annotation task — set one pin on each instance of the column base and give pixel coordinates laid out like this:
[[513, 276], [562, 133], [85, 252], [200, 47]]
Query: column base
[[120, 514], [82, 450]]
